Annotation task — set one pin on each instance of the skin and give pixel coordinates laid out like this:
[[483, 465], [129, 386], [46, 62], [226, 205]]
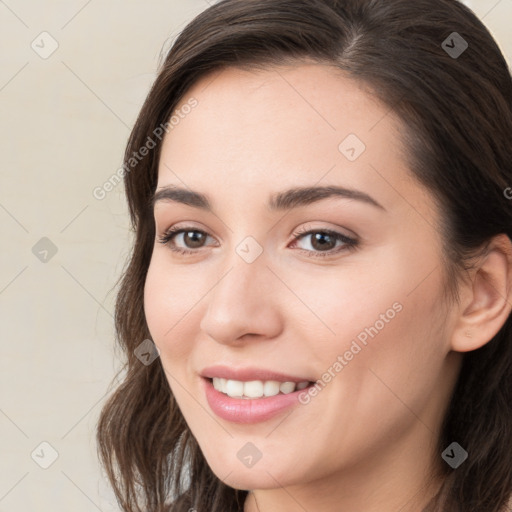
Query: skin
[[366, 441]]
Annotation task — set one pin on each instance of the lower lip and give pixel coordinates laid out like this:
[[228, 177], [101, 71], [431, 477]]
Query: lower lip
[[254, 410]]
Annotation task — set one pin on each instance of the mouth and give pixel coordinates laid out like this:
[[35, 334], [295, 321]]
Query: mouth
[[256, 389], [240, 408]]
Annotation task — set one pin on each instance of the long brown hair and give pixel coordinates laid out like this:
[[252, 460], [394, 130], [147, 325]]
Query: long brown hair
[[457, 108]]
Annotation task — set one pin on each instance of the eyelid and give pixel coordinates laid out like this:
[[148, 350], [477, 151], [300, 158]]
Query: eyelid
[[172, 232], [308, 228], [349, 243]]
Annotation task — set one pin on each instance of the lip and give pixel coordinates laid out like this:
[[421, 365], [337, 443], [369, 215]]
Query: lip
[[250, 373], [253, 410]]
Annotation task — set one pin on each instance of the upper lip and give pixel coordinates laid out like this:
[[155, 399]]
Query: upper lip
[[249, 373]]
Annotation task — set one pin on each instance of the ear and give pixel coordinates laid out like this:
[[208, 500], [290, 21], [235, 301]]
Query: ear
[[487, 298]]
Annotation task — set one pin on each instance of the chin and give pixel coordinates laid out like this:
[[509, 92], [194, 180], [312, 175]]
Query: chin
[[248, 480], [262, 475]]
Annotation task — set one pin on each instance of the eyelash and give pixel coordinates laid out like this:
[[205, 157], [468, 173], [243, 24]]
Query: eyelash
[[350, 244]]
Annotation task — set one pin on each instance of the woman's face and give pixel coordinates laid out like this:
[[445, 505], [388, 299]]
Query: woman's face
[[366, 321]]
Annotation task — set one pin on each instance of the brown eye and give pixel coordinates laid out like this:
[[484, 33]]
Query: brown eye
[[184, 240], [193, 239], [322, 241]]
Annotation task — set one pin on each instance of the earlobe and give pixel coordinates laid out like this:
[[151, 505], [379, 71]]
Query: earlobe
[[488, 301]]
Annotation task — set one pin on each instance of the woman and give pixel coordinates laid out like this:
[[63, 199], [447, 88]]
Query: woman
[[323, 261]]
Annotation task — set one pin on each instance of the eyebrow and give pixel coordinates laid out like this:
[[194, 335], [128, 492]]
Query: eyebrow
[[287, 199]]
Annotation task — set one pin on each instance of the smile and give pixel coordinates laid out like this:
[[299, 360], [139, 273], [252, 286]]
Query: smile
[[251, 409], [256, 388]]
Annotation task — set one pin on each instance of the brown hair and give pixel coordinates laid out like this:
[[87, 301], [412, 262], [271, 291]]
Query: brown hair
[[458, 114]]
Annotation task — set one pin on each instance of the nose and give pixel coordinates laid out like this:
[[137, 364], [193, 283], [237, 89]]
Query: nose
[[244, 304]]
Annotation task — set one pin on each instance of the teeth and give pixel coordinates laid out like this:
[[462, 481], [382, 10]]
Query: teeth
[[255, 388], [271, 388], [234, 388], [287, 387]]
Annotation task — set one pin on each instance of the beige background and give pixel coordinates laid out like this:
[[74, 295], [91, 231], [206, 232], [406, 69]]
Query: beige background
[[65, 118]]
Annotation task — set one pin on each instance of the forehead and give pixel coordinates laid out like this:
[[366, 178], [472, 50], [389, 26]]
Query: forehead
[[296, 124]]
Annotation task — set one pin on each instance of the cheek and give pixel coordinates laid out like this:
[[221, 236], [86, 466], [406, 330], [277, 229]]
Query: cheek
[[156, 294], [340, 305], [169, 300], [171, 316], [385, 314]]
